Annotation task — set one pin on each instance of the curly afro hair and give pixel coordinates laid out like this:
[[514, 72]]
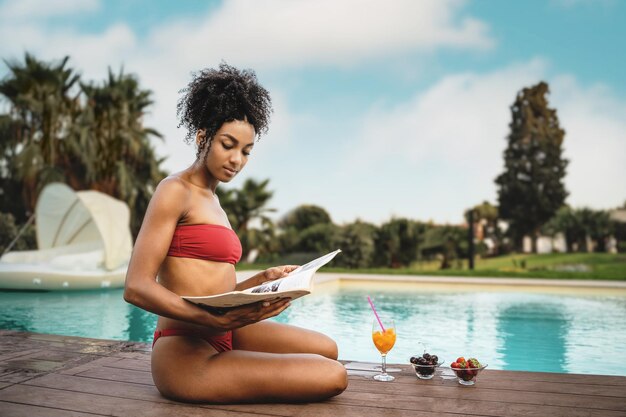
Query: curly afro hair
[[216, 96]]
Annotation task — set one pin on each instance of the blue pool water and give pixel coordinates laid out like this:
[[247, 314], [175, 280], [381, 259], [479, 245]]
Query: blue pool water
[[533, 331]]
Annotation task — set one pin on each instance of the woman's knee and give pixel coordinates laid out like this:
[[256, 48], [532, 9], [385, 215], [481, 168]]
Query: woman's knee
[[337, 379], [328, 348], [191, 392]]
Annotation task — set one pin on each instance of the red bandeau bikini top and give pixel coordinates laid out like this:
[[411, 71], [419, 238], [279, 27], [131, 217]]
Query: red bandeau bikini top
[[212, 242]]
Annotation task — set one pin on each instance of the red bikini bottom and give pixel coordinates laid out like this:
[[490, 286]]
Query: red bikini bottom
[[221, 343]]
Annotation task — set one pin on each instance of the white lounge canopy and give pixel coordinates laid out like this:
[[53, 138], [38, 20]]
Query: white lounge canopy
[[65, 217]]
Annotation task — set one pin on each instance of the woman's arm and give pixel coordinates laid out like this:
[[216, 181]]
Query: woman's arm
[[166, 207], [141, 289]]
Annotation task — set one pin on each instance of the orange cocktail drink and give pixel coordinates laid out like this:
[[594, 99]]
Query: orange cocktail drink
[[384, 337], [384, 341]]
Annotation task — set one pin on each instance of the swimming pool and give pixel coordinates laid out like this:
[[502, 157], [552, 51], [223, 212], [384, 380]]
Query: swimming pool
[[538, 330]]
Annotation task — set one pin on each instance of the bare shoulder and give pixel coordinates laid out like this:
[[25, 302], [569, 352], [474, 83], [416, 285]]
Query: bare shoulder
[[173, 184], [171, 198]]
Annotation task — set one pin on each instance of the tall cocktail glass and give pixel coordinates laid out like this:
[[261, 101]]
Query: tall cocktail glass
[[384, 341]]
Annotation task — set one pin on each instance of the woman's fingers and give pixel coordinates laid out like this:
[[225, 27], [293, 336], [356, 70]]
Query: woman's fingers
[[276, 311], [258, 311]]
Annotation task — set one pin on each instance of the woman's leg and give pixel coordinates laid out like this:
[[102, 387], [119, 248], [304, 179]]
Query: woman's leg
[[271, 337], [187, 369]]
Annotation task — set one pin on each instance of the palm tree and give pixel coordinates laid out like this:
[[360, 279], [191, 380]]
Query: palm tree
[[42, 106], [88, 136], [123, 162], [245, 205]]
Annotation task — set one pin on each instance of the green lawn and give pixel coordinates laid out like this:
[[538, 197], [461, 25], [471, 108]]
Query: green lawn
[[558, 265]]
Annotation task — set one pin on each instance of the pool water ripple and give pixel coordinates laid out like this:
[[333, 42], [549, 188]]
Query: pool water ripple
[[508, 330]]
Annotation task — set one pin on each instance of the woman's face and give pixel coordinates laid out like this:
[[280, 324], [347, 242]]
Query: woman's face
[[230, 149]]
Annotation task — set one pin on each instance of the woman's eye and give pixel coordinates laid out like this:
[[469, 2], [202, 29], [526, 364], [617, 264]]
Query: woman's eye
[[226, 146]]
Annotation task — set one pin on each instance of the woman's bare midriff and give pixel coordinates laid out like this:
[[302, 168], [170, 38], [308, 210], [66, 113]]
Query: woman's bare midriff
[[194, 277]]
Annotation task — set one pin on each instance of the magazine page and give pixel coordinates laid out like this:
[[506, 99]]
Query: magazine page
[[299, 278], [294, 285]]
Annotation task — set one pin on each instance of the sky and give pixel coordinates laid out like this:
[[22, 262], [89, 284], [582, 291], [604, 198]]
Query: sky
[[381, 109]]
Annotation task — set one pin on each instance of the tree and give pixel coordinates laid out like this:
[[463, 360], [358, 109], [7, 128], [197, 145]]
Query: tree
[[85, 135], [9, 231], [307, 228], [118, 157], [10, 184], [356, 241], [531, 189], [568, 222], [579, 224], [486, 228], [448, 242], [42, 109], [304, 216], [245, 205], [397, 242], [318, 238]]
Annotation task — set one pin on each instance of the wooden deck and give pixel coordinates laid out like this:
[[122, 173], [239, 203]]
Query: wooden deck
[[45, 375]]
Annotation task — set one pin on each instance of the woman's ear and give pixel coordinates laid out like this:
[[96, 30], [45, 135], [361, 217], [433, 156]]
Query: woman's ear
[[200, 134]]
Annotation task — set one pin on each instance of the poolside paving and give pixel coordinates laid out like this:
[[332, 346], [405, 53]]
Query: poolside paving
[[48, 375]]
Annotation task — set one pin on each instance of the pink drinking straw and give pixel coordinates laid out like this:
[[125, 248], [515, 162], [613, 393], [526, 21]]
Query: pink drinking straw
[[375, 313]]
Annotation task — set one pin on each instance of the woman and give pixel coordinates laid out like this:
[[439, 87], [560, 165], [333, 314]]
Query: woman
[[186, 241]]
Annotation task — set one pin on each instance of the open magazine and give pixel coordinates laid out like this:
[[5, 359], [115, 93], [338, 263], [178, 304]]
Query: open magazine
[[299, 282]]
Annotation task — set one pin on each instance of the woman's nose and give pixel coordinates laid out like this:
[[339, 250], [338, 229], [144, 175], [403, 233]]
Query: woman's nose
[[235, 158]]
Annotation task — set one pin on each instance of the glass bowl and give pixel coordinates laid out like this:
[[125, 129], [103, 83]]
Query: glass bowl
[[468, 376], [425, 371]]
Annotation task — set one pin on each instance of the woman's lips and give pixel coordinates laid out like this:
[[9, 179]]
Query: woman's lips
[[231, 172]]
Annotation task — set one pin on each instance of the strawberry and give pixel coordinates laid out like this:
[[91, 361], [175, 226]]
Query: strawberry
[[454, 365], [460, 359], [473, 363]]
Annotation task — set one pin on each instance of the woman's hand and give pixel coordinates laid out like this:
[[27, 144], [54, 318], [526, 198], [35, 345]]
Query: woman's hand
[[252, 313], [268, 275], [277, 272]]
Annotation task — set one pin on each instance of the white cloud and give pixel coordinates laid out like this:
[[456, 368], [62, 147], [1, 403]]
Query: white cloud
[[275, 33], [444, 147], [91, 54], [270, 34], [430, 157], [455, 120], [33, 9], [595, 142]]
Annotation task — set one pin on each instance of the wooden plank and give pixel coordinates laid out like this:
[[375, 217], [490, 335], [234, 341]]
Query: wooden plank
[[99, 386], [555, 377], [96, 363], [412, 385], [512, 389], [481, 405], [63, 375], [139, 355], [21, 410], [16, 352], [101, 404], [15, 376], [71, 339], [119, 374], [138, 365], [150, 394], [501, 375], [521, 383], [471, 401], [332, 409]]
